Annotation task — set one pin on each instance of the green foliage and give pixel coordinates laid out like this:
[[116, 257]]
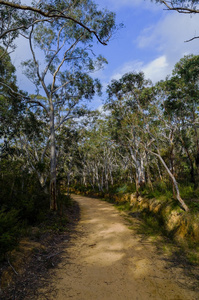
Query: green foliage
[[161, 190], [64, 201], [187, 191], [11, 106], [57, 224], [194, 206], [122, 189], [123, 206], [151, 225], [9, 230], [193, 257], [23, 202]]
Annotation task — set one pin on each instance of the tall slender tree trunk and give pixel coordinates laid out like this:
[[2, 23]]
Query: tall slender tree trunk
[[197, 144], [192, 173], [172, 167], [148, 173], [68, 182], [137, 184], [140, 176], [53, 190], [159, 172], [140, 179], [84, 182]]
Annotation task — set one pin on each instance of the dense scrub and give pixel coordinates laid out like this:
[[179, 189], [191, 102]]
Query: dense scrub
[[23, 203]]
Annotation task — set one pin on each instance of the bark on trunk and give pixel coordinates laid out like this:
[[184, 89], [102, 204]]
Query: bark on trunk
[[192, 173], [68, 183], [53, 191], [140, 171]]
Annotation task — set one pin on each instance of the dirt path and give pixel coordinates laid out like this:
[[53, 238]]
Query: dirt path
[[105, 260]]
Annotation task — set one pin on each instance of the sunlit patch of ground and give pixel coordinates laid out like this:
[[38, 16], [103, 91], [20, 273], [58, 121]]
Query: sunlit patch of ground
[[105, 260]]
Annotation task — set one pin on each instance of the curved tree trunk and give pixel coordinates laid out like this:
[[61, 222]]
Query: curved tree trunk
[[184, 206]]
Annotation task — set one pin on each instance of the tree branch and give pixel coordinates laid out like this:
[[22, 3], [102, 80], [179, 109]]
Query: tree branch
[[62, 62], [38, 103], [194, 38], [22, 27], [184, 10], [51, 14], [56, 52], [29, 100]]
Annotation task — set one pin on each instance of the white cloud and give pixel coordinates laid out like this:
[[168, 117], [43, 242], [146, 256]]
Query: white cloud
[[155, 70], [166, 40], [168, 36], [126, 68]]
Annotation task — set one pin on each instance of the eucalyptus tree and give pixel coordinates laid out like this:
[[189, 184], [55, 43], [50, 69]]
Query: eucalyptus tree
[[33, 141], [21, 127], [12, 106], [144, 129], [126, 96], [181, 94], [68, 157], [61, 35], [186, 73], [17, 18], [160, 137], [98, 155], [159, 134]]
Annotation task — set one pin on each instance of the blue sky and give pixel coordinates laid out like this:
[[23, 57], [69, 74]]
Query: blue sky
[[152, 41]]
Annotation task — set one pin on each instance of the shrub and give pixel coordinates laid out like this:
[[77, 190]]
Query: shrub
[[9, 230]]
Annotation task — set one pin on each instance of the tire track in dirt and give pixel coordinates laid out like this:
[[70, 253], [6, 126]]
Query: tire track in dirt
[[109, 261]]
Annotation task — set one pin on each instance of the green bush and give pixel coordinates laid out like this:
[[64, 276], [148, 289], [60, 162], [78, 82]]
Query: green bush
[[9, 230], [187, 191], [23, 203]]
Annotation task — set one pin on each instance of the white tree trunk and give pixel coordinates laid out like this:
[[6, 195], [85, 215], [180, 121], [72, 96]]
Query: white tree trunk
[[185, 207], [53, 191]]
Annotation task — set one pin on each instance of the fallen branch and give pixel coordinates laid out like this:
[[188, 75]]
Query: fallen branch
[[52, 255], [12, 266]]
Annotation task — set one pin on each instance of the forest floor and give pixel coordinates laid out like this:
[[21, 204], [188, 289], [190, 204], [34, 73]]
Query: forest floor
[[107, 259], [26, 269]]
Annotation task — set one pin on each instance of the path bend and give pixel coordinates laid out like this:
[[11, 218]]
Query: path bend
[[105, 260]]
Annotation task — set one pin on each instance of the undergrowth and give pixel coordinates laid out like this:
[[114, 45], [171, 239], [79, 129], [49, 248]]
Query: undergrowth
[[35, 213]]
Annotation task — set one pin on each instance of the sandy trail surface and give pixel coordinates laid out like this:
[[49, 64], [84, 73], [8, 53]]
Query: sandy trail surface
[[105, 260]]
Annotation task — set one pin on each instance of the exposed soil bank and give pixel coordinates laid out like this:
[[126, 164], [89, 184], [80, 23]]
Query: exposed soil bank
[[105, 260], [182, 226]]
